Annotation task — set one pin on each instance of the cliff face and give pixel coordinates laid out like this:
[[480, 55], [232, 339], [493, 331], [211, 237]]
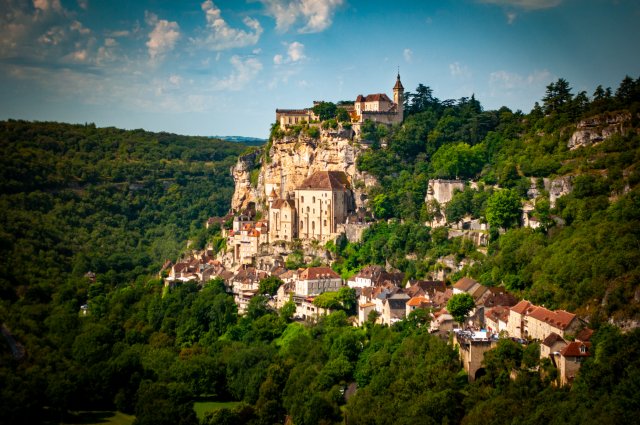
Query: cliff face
[[244, 191], [291, 159], [599, 128]]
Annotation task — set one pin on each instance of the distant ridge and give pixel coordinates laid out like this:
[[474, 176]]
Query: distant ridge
[[254, 141]]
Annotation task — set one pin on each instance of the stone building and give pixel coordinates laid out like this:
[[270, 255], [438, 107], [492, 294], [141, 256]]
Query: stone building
[[282, 218], [322, 201], [377, 107], [527, 320], [570, 359], [317, 280]]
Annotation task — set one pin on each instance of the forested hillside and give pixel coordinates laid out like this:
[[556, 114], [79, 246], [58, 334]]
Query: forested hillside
[[78, 198], [585, 254]]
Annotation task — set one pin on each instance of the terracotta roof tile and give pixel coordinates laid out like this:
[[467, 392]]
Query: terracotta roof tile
[[577, 349], [522, 307], [465, 284], [318, 273], [326, 180], [551, 339], [584, 335]]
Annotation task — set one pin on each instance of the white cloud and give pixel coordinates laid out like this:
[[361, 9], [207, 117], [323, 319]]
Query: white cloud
[[119, 33], [408, 55], [221, 36], [295, 53], [163, 37], [175, 80], [316, 15], [504, 81], [525, 4], [459, 71], [244, 71], [47, 5], [43, 32]]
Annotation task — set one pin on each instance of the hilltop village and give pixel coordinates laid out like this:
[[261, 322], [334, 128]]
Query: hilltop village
[[307, 208]]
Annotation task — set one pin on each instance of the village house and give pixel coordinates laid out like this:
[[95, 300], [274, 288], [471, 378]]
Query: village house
[[527, 320], [552, 345], [282, 218], [317, 280], [244, 243], [374, 275], [541, 322], [425, 288], [244, 285], [394, 308], [364, 310], [417, 302], [570, 359], [496, 319]]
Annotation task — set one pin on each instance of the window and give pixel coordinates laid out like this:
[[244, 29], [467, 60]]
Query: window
[[325, 222], [313, 200], [302, 199], [301, 224], [307, 209]]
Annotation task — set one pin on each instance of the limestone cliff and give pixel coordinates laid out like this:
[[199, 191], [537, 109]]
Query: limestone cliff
[[245, 192], [599, 128], [291, 159]]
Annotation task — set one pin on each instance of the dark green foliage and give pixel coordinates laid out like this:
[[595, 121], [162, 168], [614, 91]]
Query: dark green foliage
[[270, 285], [459, 306], [503, 209], [325, 110]]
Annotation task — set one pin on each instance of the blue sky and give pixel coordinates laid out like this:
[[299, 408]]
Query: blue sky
[[222, 67]]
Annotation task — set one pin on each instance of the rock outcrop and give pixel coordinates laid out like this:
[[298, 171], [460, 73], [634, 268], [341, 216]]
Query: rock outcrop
[[292, 159], [597, 129], [245, 192]]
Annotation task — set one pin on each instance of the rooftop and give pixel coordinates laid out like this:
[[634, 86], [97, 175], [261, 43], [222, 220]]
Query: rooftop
[[318, 273], [326, 180]]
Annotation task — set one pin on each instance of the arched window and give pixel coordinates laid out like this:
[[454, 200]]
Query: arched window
[[301, 224], [313, 200], [313, 226], [307, 209], [325, 222], [302, 199]]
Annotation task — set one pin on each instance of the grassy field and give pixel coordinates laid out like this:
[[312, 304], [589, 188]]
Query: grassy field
[[100, 418], [202, 407]]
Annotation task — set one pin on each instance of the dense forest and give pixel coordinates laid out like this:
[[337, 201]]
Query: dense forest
[[117, 203]]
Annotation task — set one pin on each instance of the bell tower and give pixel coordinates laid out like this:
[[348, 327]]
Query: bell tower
[[398, 97]]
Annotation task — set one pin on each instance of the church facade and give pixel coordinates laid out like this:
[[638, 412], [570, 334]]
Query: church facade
[[320, 203]]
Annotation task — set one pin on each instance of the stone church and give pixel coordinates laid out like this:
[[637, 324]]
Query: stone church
[[320, 203]]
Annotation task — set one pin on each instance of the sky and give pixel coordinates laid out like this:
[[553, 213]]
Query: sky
[[222, 67]]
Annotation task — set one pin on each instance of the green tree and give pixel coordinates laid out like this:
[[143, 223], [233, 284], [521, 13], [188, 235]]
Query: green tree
[[348, 299], [459, 306], [325, 110], [503, 209], [269, 285]]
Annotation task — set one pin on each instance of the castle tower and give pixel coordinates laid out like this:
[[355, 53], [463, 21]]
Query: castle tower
[[398, 97]]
